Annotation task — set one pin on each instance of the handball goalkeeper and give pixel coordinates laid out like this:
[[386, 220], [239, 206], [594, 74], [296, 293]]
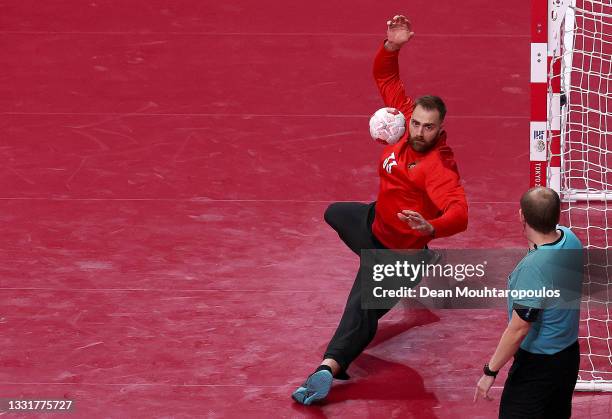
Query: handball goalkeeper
[[420, 198]]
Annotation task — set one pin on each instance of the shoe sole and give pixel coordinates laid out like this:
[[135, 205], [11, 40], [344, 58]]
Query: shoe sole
[[317, 385]]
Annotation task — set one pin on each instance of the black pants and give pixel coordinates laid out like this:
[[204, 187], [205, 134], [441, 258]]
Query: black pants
[[541, 386], [353, 223]]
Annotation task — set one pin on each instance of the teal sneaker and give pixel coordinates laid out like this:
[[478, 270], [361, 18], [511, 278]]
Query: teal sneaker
[[315, 388]]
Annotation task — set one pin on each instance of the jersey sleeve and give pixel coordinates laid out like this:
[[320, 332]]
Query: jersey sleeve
[[444, 188], [391, 88], [528, 279]]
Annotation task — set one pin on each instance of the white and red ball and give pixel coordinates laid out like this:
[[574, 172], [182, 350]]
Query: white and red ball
[[387, 125]]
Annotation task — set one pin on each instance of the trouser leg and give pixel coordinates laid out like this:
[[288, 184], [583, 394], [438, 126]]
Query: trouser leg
[[356, 330], [352, 221]]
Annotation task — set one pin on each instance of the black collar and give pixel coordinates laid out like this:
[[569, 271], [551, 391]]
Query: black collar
[[553, 243]]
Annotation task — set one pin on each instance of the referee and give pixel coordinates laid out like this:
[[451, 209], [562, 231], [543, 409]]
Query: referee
[[542, 333]]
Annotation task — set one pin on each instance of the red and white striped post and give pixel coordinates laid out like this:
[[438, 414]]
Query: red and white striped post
[[539, 97], [545, 125]]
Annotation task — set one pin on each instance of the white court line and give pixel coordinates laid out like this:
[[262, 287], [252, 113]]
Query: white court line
[[207, 201], [243, 115], [325, 34], [172, 290], [10, 383]]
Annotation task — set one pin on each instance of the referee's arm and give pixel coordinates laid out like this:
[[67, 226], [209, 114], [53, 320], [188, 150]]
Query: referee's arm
[[510, 341], [506, 348]]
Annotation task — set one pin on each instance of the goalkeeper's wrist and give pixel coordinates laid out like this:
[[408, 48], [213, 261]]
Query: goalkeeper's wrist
[[392, 46]]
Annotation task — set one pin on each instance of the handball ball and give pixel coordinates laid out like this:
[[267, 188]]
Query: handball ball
[[387, 125]]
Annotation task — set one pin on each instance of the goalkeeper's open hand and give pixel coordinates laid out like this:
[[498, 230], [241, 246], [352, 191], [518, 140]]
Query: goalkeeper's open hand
[[399, 31], [416, 222]]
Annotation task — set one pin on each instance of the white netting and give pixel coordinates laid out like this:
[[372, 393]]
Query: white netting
[[586, 172]]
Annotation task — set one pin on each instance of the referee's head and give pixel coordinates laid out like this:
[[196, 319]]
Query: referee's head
[[541, 209]]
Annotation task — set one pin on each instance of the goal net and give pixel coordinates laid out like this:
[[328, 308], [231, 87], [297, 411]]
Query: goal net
[[576, 158]]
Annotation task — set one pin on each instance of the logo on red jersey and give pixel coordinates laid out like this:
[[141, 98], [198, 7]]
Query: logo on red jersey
[[389, 163]]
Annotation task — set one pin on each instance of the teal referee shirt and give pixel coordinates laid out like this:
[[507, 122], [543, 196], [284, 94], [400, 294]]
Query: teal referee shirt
[[549, 278]]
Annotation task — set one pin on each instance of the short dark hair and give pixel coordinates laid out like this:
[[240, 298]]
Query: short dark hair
[[432, 103], [541, 209]]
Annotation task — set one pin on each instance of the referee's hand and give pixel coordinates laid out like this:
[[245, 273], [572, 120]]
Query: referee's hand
[[482, 388]]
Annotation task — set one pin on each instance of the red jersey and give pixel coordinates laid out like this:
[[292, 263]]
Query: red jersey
[[427, 183]]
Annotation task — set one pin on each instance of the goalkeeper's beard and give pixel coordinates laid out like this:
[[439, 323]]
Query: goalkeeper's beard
[[419, 145]]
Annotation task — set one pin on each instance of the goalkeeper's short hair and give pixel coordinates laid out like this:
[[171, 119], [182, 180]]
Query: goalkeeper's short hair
[[432, 103]]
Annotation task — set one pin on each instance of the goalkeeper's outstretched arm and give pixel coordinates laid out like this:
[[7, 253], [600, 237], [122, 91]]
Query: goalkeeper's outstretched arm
[[386, 67]]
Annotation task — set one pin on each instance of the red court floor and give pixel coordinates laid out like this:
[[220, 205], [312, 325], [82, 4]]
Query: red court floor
[[166, 165]]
